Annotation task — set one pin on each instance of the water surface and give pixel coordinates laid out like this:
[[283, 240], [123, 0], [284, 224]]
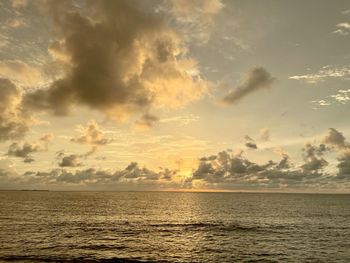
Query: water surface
[[173, 227]]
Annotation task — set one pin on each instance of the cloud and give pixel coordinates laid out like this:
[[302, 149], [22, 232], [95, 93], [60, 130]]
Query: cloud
[[226, 167], [147, 121], [131, 177], [181, 120], [342, 29], [314, 164], [121, 60], [321, 103], [344, 165], [24, 151], [14, 121], [224, 170], [335, 138], [19, 3], [324, 73], [312, 156], [72, 160], [311, 150], [256, 79], [47, 139], [21, 73], [344, 25], [343, 97], [285, 163], [16, 22], [5, 165], [8, 173], [265, 134], [196, 18], [250, 143], [237, 172], [133, 171], [92, 135]]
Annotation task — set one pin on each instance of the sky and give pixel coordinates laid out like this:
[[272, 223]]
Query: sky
[[187, 95]]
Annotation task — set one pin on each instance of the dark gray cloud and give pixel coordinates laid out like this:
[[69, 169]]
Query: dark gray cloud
[[256, 79], [230, 171], [72, 160], [14, 121], [312, 156], [314, 164], [24, 151], [118, 59], [80, 176], [226, 167], [344, 165], [335, 138], [134, 171], [250, 143], [133, 176], [284, 163], [310, 150]]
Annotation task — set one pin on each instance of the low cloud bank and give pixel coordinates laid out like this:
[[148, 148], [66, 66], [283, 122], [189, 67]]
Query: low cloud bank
[[224, 170]]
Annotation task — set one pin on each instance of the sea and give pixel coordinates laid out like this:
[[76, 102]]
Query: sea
[[48, 226]]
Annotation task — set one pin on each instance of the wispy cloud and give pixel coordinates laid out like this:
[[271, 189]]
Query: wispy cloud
[[324, 73], [342, 29], [342, 96], [182, 120], [194, 18]]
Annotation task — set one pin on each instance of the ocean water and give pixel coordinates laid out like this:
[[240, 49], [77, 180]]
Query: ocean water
[[173, 227]]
